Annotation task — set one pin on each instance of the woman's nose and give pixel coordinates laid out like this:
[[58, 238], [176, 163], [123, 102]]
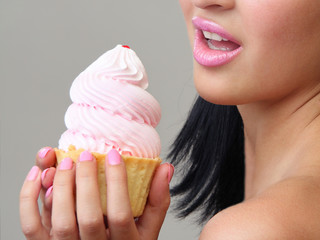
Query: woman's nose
[[224, 4]]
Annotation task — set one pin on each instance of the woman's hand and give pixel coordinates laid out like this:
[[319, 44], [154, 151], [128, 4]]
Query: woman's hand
[[88, 223], [38, 182]]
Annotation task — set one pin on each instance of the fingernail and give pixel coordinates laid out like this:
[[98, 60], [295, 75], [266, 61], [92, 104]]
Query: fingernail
[[114, 157], [49, 191], [66, 164], [43, 152], [170, 172], [85, 156], [33, 173], [44, 173]]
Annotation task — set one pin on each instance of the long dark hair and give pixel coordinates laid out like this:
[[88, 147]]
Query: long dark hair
[[208, 155]]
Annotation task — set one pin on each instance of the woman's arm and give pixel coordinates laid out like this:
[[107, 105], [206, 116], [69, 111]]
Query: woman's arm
[[287, 210], [242, 222]]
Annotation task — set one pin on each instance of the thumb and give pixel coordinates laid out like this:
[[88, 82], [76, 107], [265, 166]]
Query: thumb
[[149, 224]]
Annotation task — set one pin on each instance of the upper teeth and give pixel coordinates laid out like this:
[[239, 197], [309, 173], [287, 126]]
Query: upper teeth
[[213, 36]]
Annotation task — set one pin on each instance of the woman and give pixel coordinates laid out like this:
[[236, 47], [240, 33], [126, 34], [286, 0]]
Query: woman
[[257, 164]]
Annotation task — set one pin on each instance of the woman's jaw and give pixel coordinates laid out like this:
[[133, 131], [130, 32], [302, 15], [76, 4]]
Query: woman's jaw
[[218, 56], [253, 52]]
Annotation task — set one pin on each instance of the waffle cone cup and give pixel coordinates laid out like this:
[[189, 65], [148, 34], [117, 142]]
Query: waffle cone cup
[[140, 172]]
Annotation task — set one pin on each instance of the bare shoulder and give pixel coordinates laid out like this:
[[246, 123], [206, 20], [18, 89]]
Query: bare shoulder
[[288, 210]]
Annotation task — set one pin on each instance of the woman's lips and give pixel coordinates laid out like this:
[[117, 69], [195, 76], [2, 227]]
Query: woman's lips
[[213, 46]]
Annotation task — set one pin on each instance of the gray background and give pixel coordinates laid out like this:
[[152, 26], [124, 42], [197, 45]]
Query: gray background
[[46, 44]]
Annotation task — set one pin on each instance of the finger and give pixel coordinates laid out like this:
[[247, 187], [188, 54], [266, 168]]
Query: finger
[[119, 214], [64, 224], [46, 158], [47, 177], [149, 224], [29, 209], [89, 213], [46, 213], [46, 181]]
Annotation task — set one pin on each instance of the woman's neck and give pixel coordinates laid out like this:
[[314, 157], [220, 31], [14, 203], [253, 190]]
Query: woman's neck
[[276, 134]]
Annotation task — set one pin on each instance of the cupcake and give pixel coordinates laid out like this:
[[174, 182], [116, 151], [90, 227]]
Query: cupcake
[[112, 110]]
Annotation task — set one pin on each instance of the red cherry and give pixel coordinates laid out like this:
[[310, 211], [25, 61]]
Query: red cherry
[[125, 46]]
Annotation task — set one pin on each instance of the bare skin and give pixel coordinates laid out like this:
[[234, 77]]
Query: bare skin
[[275, 82], [57, 219], [282, 183]]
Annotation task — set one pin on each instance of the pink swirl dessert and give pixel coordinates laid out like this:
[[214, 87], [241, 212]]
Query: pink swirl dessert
[[112, 110]]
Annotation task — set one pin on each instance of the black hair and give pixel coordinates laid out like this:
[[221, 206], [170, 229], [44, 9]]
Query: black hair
[[209, 156]]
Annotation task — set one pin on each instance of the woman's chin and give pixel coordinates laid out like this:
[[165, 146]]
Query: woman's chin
[[220, 96], [219, 87]]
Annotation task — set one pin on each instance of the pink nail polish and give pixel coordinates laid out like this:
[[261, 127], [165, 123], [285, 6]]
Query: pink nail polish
[[49, 191], [170, 172], [43, 152], [114, 157], [44, 173], [66, 164], [33, 173], [85, 156]]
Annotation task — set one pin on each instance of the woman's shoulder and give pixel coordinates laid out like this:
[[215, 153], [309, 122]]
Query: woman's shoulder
[[289, 209]]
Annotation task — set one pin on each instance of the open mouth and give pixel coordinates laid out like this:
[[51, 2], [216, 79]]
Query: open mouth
[[213, 45], [216, 42]]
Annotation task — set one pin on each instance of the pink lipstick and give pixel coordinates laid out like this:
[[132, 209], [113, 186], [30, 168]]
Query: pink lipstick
[[213, 45]]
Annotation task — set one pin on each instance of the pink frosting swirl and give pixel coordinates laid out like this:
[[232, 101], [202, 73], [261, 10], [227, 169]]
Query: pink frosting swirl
[[111, 108]]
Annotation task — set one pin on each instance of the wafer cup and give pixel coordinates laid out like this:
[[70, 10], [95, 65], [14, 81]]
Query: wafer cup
[[140, 172]]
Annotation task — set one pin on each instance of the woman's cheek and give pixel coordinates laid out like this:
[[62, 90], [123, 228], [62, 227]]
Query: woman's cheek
[[273, 21]]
